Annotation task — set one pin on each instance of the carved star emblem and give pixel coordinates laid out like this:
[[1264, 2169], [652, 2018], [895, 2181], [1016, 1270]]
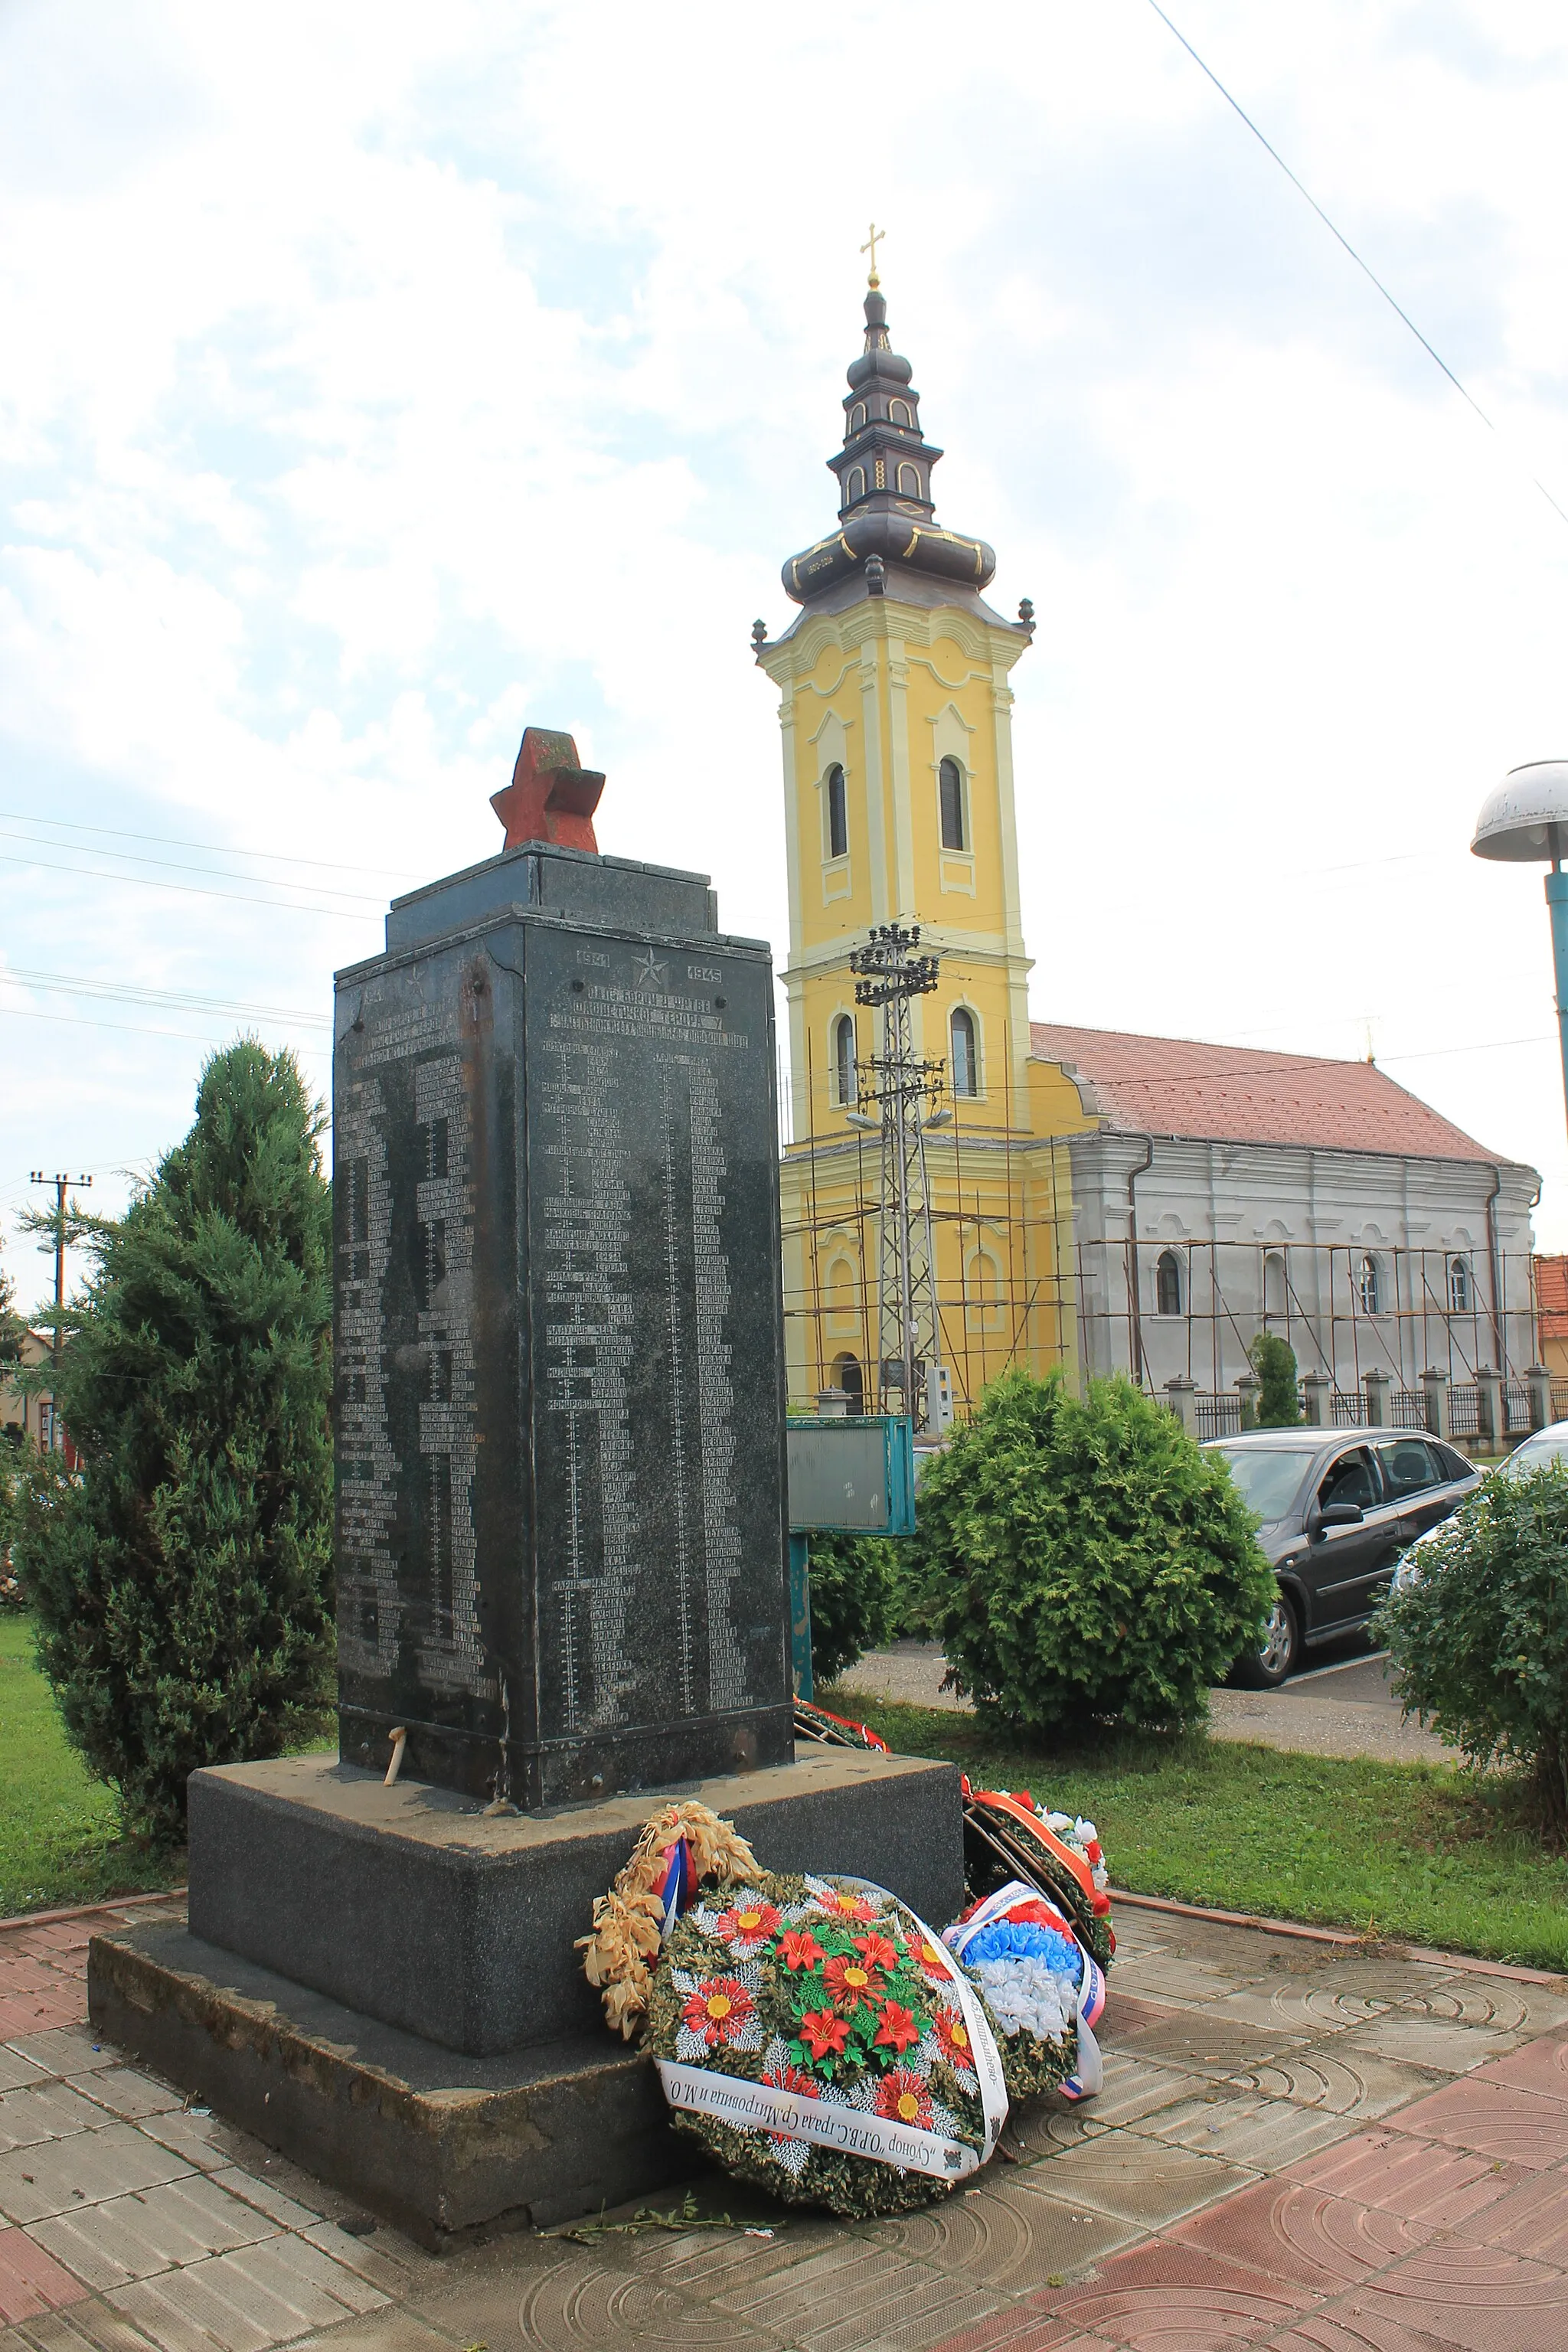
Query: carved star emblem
[[651, 972]]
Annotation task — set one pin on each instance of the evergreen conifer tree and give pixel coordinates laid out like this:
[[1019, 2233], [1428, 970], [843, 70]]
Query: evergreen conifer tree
[[182, 1580]]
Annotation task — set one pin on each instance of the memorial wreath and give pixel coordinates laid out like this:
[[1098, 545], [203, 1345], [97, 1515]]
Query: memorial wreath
[[819, 2040]]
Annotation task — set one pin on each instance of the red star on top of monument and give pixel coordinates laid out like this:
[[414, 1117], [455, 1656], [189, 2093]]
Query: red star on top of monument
[[550, 797]]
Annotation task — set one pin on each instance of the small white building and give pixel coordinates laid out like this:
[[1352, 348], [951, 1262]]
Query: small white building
[[1229, 1190]]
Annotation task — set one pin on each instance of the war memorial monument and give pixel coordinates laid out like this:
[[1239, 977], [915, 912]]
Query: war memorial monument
[[561, 1552]]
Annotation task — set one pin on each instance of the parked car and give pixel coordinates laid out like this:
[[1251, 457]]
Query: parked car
[[1537, 1453], [1338, 1509]]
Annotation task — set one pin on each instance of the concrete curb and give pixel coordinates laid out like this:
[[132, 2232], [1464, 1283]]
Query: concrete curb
[[1339, 1936]]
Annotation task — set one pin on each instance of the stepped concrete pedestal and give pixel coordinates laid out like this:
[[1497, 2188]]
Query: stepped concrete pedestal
[[380, 1983]]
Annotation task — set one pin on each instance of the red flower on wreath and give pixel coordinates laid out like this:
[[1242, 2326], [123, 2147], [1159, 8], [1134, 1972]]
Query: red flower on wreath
[[790, 2078], [896, 2029], [750, 1925], [845, 1905], [952, 2040], [935, 1962], [798, 1949], [852, 1985], [904, 2098], [822, 2034], [876, 1951], [720, 2010]]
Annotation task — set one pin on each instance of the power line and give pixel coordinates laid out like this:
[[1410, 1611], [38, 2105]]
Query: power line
[[222, 848], [1364, 267], [179, 866], [131, 1028], [66, 984], [190, 889]]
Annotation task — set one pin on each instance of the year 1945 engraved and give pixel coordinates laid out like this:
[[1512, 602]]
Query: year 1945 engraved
[[702, 971]]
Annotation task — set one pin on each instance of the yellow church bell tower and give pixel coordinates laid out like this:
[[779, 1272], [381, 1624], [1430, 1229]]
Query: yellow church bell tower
[[895, 708]]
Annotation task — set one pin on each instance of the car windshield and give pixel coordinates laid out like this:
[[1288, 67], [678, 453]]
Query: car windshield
[[1267, 1476], [1536, 1454]]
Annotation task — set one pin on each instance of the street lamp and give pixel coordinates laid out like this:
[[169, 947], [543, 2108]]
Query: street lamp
[[1525, 822]]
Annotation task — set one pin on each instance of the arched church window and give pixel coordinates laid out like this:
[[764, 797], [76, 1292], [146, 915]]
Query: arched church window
[[951, 791], [1274, 1285], [908, 481], [1461, 1293], [841, 1292], [899, 413], [837, 814], [1168, 1284], [854, 488], [1369, 1285], [965, 1070], [983, 1288], [857, 417], [844, 1074], [847, 1376]]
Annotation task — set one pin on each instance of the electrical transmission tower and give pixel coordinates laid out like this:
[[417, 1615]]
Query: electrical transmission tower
[[890, 974]]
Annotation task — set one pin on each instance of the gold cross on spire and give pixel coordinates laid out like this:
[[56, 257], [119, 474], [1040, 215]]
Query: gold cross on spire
[[869, 247]]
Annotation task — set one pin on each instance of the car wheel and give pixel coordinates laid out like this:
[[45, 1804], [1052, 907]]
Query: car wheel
[[1275, 1661]]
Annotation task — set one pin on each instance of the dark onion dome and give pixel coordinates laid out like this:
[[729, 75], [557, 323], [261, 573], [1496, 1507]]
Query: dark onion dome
[[884, 483]]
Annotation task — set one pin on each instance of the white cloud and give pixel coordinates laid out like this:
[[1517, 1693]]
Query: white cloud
[[376, 380]]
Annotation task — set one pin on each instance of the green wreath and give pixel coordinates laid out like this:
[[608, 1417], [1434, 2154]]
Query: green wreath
[[834, 1992]]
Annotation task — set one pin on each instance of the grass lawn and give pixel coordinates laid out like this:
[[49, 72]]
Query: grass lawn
[[1418, 1851], [60, 1831]]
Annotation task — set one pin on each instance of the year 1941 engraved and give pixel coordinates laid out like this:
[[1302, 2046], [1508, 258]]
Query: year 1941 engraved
[[591, 955]]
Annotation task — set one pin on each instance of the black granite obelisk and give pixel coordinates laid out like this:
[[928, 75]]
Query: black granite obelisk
[[562, 1554]]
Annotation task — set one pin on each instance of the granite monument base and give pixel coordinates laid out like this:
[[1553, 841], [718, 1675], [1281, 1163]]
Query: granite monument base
[[417, 1907], [440, 2145], [381, 1983]]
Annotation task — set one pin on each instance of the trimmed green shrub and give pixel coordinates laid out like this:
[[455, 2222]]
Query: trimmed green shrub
[[1279, 1399], [856, 1599], [1479, 1636], [1086, 1560], [183, 1580]]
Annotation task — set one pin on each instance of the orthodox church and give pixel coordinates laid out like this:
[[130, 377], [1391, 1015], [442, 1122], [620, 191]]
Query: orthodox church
[[1096, 1202]]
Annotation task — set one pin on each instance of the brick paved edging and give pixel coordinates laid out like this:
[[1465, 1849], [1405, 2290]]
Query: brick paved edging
[[1467, 1960], [91, 1910]]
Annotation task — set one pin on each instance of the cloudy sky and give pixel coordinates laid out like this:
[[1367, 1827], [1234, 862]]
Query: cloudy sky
[[376, 379]]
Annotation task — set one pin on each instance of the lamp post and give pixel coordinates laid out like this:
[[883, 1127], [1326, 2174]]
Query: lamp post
[[1525, 823]]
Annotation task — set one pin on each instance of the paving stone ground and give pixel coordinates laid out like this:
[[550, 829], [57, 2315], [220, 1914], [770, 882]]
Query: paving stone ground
[[1298, 2146]]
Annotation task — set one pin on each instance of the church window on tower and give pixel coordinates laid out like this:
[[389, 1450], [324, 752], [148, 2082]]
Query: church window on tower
[[854, 488], [844, 1074], [909, 482], [857, 417], [965, 1078], [837, 814], [899, 413], [950, 786]]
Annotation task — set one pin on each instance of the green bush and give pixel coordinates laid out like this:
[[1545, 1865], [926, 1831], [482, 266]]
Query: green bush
[[182, 1580], [1279, 1399], [1478, 1638], [856, 1599], [1086, 1560]]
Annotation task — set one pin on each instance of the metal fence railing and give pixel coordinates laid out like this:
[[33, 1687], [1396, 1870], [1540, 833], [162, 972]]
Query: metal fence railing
[[1407, 1408], [1464, 1412], [1516, 1405], [1217, 1416], [1349, 1412], [1560, 1400]]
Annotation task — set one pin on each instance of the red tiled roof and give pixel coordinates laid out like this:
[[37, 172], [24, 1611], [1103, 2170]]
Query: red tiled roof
[[1552, 1297], [1236, 1094]]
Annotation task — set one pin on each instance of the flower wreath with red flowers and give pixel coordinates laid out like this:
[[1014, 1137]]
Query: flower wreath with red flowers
[[819, 2041]]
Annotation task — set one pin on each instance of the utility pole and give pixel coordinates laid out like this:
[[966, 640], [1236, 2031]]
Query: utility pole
[[890, 974], [62, 1185]]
